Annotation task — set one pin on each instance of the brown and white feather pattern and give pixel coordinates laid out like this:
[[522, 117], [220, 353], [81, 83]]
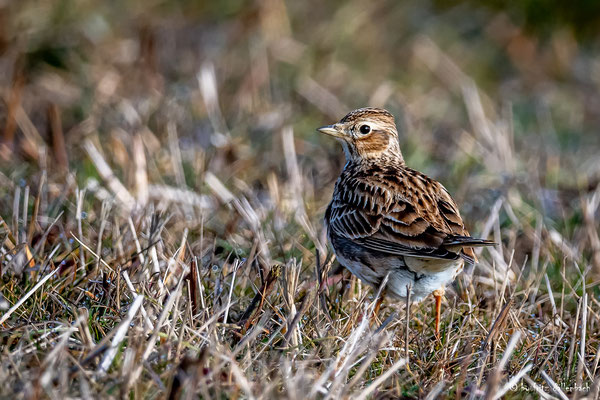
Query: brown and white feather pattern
[[395, 209], [385, 217]]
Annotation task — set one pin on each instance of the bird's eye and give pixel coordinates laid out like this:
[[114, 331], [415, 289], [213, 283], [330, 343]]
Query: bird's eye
[[365, 129]]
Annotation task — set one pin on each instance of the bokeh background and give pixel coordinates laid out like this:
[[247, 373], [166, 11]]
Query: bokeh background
[[535, 64], [183, 108]]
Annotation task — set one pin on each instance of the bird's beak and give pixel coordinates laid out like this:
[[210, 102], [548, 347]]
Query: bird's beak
[[332, 130]]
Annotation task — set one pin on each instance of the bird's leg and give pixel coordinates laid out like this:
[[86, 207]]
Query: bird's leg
[[378, 306], [381, 292], [438, 309]]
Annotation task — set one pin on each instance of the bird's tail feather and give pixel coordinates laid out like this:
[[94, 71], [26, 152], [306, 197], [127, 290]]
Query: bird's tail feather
[[467, 241], [463, 245]]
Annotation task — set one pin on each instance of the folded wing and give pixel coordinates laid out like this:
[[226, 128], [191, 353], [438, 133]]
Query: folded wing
[[408, 215]]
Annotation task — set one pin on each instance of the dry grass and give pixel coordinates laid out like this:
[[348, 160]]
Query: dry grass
[[162, 190]]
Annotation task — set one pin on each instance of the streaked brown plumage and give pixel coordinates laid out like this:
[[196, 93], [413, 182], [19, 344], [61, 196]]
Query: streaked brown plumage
[[386, 217]]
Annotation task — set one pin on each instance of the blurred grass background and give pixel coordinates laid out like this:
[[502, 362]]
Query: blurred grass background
[[534, 57], [499, 102]]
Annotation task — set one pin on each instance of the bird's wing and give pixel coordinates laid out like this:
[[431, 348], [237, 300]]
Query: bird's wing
[[407, 214]]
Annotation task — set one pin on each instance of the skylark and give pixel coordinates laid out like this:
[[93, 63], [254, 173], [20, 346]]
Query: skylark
[[385, 217]]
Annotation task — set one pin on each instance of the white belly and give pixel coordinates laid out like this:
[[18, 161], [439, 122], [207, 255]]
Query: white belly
[[428, 277], [424, 284]]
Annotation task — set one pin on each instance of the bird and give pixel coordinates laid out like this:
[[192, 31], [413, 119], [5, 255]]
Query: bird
[[388, 220]]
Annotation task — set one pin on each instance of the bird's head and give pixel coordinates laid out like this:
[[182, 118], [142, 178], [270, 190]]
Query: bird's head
[[366, 133]]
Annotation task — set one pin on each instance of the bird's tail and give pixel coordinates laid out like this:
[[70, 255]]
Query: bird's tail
[[467, 241], [463, 245]]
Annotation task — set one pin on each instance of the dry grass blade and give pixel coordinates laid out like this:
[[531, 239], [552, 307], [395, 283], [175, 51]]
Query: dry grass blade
[[122, 194], [536, 388], [435, 392], [119, 335], [141, 174], [512, 382], [240, 377], [582, 341], [51, 359], [173, 297], [554, 386], [495, 377], [29, 293], [377, 382]]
